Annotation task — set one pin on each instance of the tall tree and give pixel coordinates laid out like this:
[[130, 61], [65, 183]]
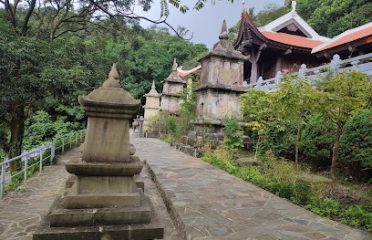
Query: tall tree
[[339, 96], [294, 100]]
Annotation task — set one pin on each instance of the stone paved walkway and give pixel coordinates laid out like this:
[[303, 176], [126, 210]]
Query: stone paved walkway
[[21, 212], [211, 204]]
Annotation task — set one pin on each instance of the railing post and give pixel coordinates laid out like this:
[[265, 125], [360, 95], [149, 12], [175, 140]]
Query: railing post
[[335, 64], [25, 170], [41, 160], [52, 151], [301, 72], [63, 143], [278, 77], [2, 180], [71, 139]]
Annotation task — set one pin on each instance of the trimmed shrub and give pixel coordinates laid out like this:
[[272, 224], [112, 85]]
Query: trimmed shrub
[[356, 141], [317, 139]]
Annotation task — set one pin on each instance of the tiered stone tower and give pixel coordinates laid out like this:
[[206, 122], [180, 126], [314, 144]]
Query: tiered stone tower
[[172, 88], [104, 201], [152, 106], [221, 83]]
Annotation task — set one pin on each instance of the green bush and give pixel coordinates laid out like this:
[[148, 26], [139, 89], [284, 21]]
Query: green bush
[[356, 140], [327, 207], [251, 174], [357, 216], [171, 124], [317, 140], [39, 129], [278, 137], [233, 134]]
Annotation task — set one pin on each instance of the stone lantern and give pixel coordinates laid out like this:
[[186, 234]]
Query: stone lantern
[[104, 201]]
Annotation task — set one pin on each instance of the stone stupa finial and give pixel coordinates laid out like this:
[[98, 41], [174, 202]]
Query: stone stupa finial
[[224, 34], [175, 65], [113, 80], [294, 4], [244, 6], [153, 84]]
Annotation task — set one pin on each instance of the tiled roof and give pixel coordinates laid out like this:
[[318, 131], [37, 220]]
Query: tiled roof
[[293, 40], [364, 31]]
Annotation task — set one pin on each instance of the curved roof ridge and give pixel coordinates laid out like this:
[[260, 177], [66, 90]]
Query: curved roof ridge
[[280, 22], [184, 73], [328, 43]]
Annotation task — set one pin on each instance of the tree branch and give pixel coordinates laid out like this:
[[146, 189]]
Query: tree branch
[[133, 16], [28, 16]]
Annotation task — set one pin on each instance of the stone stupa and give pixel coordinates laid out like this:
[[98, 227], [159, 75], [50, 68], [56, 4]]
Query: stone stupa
[[104, 201]]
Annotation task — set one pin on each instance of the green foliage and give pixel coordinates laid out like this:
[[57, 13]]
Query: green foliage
[[357, 216], [332, 17], [233, 134], [317, 140], [356, 139], [40, 129], [171, 124], [328, 17], [327, 207], [270, 13], [310, 120]]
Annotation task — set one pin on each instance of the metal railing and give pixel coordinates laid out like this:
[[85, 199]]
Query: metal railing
[[361, 64], [32, 160]]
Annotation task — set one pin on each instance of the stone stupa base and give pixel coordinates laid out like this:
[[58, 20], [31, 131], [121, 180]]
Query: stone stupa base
[[117, 223], [152, 230]]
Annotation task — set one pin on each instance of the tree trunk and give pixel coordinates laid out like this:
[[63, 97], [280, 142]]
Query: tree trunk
[[16, 136], [297, 143], [336, 146]]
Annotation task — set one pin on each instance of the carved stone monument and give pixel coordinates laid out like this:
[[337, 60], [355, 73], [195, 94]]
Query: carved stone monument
[[172, 88], [221, 83], [104, 202]]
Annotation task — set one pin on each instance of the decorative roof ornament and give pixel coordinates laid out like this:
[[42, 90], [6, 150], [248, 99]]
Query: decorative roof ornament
[[294, 4], [224, 34], [173, 76], [224, 48], [244, 6], [113, 78], [175, 65], [152, 92]]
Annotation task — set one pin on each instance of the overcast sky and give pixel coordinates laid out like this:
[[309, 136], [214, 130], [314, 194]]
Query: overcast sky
[[206, 23]]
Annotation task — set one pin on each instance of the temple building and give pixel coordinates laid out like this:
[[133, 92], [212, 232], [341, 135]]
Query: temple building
[[282, 45], [152, 105], [173, 87], [288, 42]]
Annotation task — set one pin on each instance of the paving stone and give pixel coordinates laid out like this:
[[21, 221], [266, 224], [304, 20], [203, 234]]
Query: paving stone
[[213, 204]]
